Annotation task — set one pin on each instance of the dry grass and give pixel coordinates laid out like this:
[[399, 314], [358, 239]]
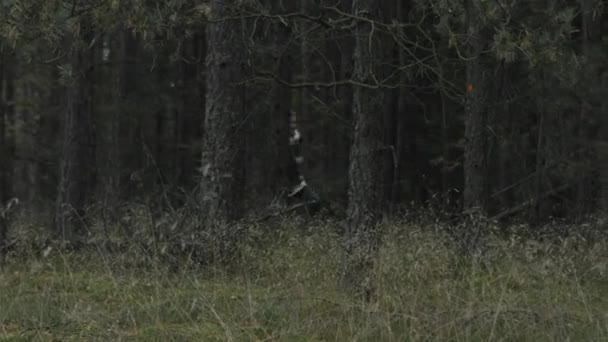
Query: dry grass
[[283, 288]]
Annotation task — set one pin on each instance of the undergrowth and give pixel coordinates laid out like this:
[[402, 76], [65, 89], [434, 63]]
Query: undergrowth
[[282, 287]]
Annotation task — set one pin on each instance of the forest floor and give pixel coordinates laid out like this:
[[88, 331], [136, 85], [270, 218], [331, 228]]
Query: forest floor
[[284, 289]]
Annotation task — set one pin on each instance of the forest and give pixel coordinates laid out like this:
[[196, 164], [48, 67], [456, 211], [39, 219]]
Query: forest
[[304, 170]]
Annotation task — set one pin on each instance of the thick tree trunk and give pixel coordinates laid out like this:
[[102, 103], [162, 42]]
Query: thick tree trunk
[[77, 166], [367, 163], [223, 156], [475, 114]]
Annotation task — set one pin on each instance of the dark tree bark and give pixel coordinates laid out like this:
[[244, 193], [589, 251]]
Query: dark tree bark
[[123, 83], [602, 150], [390, 13], [406, 170], [345, 94], [277, 141], [503, 142], [268, 130], [223, 156], [77, 165], [115, 124], [367, 162], [475, 114], [7, 124], [48, 154], [593, 35], [191, 93], [591, 47], [4, 169], [540, 161], [7, 150], [133, 160], [3, 157]]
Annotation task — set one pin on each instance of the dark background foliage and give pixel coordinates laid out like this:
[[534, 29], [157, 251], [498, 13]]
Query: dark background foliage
[[498, 106]]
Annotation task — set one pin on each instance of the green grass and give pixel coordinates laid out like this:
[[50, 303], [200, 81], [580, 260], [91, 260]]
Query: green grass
[[284, 289]]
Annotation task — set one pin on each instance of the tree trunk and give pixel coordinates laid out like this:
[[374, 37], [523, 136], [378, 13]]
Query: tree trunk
[[502, 122], [593, 35], [188, 90], [112, 174], [540, 161], [77, 166], [6, 166], [367, 163], [602, 151], [390, 107], [7, 125], [193, 126], [4, 169], [278, 148], [346, 109], [48, 155], [475, 114], [405, 169], [591, 46], [269, 165], [405, 162], [223, 156]]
